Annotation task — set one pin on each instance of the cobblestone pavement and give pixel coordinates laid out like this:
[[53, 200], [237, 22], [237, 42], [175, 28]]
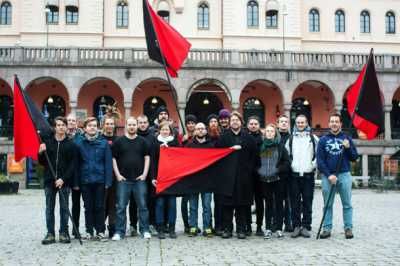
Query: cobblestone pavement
[[376, 242]]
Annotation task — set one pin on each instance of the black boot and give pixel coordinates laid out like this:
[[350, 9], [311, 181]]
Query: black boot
[[171, 230], [160, 232]]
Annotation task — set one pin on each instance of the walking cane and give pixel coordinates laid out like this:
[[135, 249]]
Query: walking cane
[[74, 228]]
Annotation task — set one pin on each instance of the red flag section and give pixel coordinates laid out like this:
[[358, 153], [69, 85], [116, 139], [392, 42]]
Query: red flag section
[[26, 140], [177, 164], [163, 40], [364, 100]]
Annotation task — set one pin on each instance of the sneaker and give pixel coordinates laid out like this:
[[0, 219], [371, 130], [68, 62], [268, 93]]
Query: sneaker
[[64, 238], [267, 234], [248, 230], [171, 232], [348, 233], [241, 235], [296, 232], [288, 228], [187, 230], [193, 231], [259, 231], [133, 231], [279, 234], [152, 230], [226, 234], [146, 235], [160, 232], [116, 237], [88, 236], [48, 239], [325, 234], [101, 237], [218, 232], [305, 233], [208, 232]]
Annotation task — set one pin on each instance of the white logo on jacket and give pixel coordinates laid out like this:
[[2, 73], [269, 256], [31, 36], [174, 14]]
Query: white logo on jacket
[[334, 146]]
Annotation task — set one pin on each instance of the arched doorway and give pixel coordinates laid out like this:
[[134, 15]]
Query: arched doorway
[[100, 104], [314, 99], [395, 115], [52, 107], [150, 107], [254, 107], [143, 101], [202, 104], [206, 97], [263, 98], [6, 116]]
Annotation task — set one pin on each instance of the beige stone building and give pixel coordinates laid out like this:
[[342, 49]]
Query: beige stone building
[[260, 57]]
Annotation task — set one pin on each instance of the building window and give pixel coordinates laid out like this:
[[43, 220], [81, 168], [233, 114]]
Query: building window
[[5, 13], [365, 22], [390, 23], [340, 21], [313, 20], [53, 106], [252, 14], [203, 16], [72, 14], [163, 11], [52, 14], [271, 19], [6, 116], [122, 14]]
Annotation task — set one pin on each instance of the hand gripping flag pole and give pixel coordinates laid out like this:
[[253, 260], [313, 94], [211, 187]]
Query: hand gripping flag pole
[[25, 111], [365, 108]]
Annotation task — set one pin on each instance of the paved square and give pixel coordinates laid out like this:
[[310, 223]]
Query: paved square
[[376, 242]]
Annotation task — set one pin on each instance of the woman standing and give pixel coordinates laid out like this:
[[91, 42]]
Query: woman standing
[[274, 161]]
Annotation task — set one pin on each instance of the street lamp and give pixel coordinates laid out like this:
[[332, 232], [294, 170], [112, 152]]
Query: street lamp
[[284, 14], [47, 11]]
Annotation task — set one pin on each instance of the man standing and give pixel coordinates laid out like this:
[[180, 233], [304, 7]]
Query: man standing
[[61, 152], [131, 161], [283, 127], [242, 196], [200, 140], [108, 134], [162, 115], [223, 119], [332, 146], [302, 147], [95, 175], [253, 126], [74, 133]]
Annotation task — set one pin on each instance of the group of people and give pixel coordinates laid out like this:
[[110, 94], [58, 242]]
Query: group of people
[[276, 172]]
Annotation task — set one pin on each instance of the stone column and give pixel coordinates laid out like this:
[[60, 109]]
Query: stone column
[[128, 108], [73, 106], [338, 108], [388, 129], [235, 106], [286, 109], [364, 164], [181, 108]]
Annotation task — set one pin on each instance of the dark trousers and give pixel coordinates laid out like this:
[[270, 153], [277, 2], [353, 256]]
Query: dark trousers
[[273, 194], [240, 216], [76, 207], [110, 209], [185, 210], [217, 212], [259, 201], [93, 199], [287, 208], [50, 193], [302, 194], [133, 212]]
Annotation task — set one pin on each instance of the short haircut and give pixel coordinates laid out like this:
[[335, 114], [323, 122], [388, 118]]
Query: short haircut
[[60, 119], [143, 117], [238, 115], [282, 116], [166, 123], [253, 117], [89, 120], [336, 115], [301, 115], [130, 118]]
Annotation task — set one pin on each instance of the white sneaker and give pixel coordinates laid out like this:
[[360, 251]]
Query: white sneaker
[[279, 234], [101, 237], [146, 235], [116, 237], [87, 236], [267, 234]]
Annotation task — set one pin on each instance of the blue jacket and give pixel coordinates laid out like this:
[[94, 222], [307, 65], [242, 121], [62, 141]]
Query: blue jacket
[[95, 161], [329, 149]]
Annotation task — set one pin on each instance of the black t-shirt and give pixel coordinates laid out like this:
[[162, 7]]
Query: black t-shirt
[[130, 154]]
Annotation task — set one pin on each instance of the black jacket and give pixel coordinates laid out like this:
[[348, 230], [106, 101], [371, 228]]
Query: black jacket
[[196, 144], [244, 162], [62, 155], [152, 143]]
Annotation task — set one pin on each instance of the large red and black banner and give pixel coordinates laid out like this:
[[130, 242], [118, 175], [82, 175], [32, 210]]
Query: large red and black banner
[[184, 171], [28, 124], [164, 41], [364, 101]]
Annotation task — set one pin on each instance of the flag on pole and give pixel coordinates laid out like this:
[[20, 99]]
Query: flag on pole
[[364, 101], [28, 124], [189, 170], [164, 41]]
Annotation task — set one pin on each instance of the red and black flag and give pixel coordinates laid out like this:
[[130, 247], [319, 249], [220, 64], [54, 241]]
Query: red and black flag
[[364, 101], [189, 170], [28, 124], [164, 41]]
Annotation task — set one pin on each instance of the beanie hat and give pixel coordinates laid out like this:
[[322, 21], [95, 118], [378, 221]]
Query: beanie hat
[[162, 109], [190, 118], [211, 116], [224, 113]]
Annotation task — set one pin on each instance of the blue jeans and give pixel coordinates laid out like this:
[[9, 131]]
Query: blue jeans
[[50, 195], [343, 186], [124, 191], [171, 202], [194, 206]]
